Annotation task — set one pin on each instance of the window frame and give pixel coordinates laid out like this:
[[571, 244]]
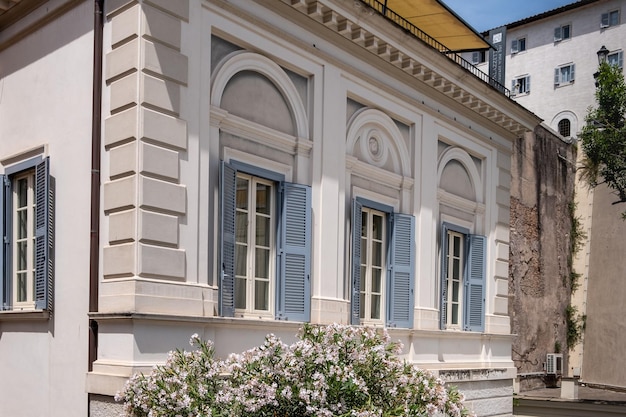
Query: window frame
[[559, 32], [43, 243], [620, 58], [518, 45], [398, 303], [569, 127], [250, 276], [517, 91], [558, 75], [479, 57], [605, 19], [366, 291], [292, 260], [473, 286]]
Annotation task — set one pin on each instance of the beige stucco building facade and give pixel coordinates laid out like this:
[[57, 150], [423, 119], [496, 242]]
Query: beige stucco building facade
[[259, 167]]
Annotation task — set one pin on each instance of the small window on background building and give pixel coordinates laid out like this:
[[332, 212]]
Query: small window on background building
[[609, 19], [565, 128], [616, 58], [564, 75], [518, 45], [562, 33], [520, 85], [478, 57]]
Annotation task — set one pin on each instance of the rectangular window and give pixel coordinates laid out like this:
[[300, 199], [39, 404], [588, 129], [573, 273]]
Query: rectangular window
[[26, 228], [564, 75], [462, 279], [562, 33], [478, 57], [518, 45], [520, 85], [265, 244], [373, 250], [616, 58], [609, 19], [254, 234], [383, 259]]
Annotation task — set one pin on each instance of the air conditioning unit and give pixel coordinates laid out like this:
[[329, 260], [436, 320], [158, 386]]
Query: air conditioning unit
[[554, 364]]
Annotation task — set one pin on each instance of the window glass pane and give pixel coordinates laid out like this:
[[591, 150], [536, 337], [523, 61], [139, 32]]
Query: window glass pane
[[364, 224], [241, 227], [263, 199], [22, 224], [565, 32], [455, 291], [455, 314], [377, 227], [457, 246], [456, 268], [376, 280], [614, 18], [22, 192], [263, 231], [362, 306], [363, 251], [261, 295], [262, 263], [241, 264], [362, 281], [21, 287], [377, 253], [375, 306], [242, 193], [240, 293], [22, 255]]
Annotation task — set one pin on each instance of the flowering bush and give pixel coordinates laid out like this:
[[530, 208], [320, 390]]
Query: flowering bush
[[332, 371]]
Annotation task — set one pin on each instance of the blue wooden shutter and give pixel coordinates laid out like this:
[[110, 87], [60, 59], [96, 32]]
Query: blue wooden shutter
[[401, 283], [557, 34], [514, 47], [228, 190], [444, 270], [44, 234], [4, 242], [474, 317], [357, 212], [294, 278]]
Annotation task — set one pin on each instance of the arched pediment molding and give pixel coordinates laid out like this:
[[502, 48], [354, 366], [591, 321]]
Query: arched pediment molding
[[462, 157], [378, 139], [248, 61]]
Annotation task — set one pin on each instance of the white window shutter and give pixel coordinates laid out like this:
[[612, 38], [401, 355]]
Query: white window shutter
[[514, 46], [604, 20], [557, 73], [557, 34]]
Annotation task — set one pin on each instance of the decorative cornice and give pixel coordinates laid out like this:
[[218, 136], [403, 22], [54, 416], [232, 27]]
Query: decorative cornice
[[323, 12]]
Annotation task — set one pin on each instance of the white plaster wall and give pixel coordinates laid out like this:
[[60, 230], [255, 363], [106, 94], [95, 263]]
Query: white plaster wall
[[45, 99]]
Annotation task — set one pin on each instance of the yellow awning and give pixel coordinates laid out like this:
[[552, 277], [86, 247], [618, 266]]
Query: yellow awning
[[438, 21]]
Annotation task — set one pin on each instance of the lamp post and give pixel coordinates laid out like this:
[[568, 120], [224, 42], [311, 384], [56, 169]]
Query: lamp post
[[603, 54]]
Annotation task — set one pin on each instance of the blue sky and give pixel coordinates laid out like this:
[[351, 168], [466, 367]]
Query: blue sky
[[488, 14]]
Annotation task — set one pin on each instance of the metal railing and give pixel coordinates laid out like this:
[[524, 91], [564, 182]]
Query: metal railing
[[382, 9]]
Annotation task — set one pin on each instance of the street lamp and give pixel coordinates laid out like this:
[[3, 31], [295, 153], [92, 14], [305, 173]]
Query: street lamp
[[603, 53]]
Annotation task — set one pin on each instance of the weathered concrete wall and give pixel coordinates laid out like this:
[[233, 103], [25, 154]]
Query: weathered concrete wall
[[542, 189]]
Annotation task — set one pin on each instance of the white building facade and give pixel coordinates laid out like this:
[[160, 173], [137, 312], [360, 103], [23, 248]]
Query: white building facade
[[266, 166]]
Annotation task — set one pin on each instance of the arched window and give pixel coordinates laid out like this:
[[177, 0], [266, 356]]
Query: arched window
[[565, 128]]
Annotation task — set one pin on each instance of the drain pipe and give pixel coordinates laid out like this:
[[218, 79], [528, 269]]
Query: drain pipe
[[96, 142]]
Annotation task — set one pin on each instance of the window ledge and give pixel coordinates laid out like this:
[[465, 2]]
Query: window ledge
[[17, 315]]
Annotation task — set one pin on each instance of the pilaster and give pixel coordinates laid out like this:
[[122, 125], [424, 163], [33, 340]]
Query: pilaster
[[144, 200]]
